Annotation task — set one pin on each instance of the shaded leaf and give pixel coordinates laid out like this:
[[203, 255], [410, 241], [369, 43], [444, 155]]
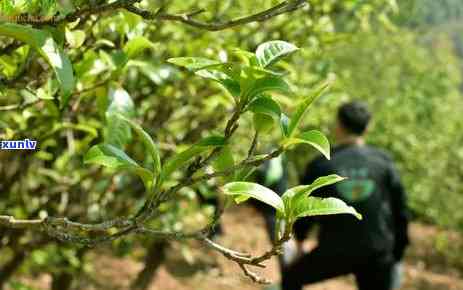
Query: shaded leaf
[[265, 105], [148, 142], [266, 84], [119, 59], [244, 173], [117, 131], [262, 122], [224, 161], [303, 106], [136, 45], [180, 159], [112, 157], [232, 86]]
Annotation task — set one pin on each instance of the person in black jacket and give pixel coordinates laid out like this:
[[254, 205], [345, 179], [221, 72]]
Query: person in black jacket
[[368, 248]]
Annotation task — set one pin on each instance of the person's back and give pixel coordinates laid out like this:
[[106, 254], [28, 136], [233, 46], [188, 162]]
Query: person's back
[[370, 180], [367, 248]]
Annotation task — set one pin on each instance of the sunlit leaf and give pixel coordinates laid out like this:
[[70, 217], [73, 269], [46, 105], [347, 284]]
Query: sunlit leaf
[[315, 206], [314, 138], [193, 63], [43, 42], [246, 190], [292, 195], [75, 38], [248, 57], [284, 125], [271, 51]]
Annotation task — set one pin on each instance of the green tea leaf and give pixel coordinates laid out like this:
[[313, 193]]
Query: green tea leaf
[[266, 84], [117, 132], [137, 45], [292, 195], [224, 161], [180, 159], [75, 38], [265, 105], [303, 106], [112, 157], [315, 206], [314, 138], [248, 189], [244, 173], [284, 125], [271, 51], [43, 42], [232, 86], [119, 59], [262, 123], [248, 57], [148, 142], [193, 63]]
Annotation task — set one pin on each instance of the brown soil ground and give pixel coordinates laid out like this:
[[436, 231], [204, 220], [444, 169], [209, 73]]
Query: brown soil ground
[[426, 268]]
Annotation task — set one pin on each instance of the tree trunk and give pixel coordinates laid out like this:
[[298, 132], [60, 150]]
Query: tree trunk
[[63, 280], [153, 260], [10, 267]]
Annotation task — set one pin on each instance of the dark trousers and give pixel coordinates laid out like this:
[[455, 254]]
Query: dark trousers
[[372, 271]]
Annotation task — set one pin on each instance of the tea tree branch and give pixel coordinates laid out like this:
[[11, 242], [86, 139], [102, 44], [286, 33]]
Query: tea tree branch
[[186, 18]]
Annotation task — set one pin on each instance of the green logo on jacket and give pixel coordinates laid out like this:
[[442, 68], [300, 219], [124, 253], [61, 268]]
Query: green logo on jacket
[[358, 187]]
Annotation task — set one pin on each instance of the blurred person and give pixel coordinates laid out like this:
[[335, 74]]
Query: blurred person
[[274, 175], [371, 248]]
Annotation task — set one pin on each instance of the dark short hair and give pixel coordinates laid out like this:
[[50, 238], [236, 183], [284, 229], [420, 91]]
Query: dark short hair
[[354, 117]]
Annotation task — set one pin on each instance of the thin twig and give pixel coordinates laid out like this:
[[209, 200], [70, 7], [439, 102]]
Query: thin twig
[[185, 18]]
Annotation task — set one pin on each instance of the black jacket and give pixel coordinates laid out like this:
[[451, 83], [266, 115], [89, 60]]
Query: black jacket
[[374, 189]]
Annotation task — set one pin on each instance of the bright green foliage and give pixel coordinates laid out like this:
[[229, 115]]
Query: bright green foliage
[[112, 157], [43, 42], [269, 52], [148, 142], [292, 196], [302, 108], [245, 190], [314, 138], [246, 81], [119, 66], [295, 202], [181, 159], [312, 206]]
